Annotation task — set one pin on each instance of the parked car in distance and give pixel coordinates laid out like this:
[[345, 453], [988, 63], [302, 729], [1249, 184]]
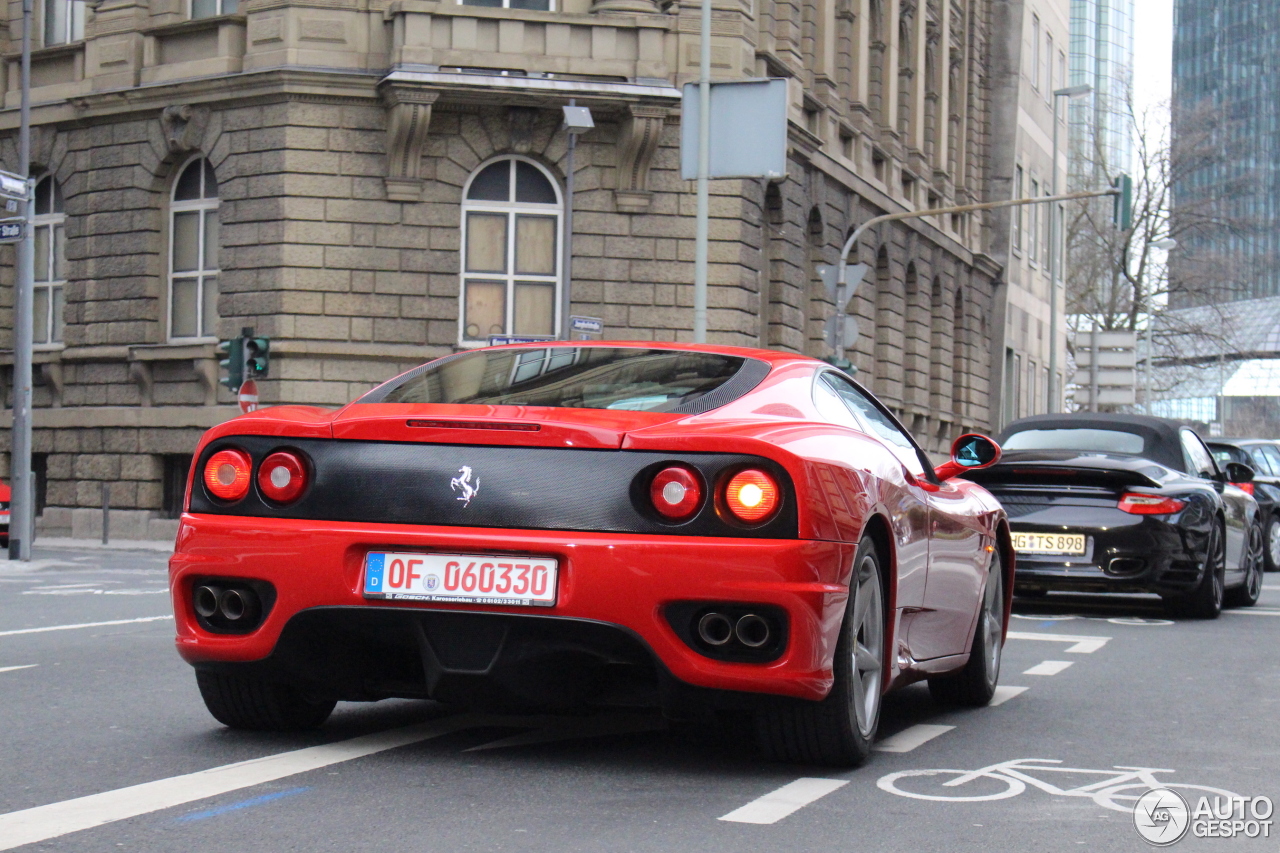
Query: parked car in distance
[[1264, 458], [1126, 503], [593, 524], [5, 497]]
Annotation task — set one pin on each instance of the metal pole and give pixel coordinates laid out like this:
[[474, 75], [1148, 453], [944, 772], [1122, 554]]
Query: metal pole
[[704, 189], [22, 511], [1093, 368], [566, 296], [106, 513], [1054, 390]]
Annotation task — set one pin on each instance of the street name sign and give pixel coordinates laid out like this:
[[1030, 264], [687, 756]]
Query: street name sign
[[12, 231]]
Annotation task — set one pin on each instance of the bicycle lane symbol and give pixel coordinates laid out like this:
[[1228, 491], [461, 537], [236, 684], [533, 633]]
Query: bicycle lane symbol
[[1118, 790]]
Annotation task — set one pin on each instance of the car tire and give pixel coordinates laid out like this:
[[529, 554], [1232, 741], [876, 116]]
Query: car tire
[[1248, 593], [839, 730], [1271, 545], [1205, 601], [257, 705], [975, 685]]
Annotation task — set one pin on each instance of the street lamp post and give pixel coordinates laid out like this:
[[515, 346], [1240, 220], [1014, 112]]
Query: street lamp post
[[22, 513], [1055, 392], [576, 120]]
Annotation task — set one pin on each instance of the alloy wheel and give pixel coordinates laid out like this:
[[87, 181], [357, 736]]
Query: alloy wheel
[[1273, 540], [1253, 563], [868, 645], [993, 618]]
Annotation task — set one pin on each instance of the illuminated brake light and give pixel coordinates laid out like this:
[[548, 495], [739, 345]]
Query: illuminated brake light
[[752, 496], [676, 493], [1150, 504], [1244, 487], [226, 474], [282, 477]]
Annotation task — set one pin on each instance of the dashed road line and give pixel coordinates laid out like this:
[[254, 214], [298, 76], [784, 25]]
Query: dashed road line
[[57, 819], [15, 668], [1253, 611], [788, 799], [910, 738], [1084, 645], [1048, 667], [1004, 693], [82, 625]]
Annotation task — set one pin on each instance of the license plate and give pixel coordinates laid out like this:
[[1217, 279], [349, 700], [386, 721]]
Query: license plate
[[461, 578], [1049, 543]]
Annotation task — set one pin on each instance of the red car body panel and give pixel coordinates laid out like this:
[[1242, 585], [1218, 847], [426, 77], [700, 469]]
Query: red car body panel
[[847, 484]]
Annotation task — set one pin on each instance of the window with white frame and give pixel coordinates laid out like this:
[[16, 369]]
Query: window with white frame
[[193, 252], [537, 5], [511, 214], [50, 262], [63, 21], [212, 8]]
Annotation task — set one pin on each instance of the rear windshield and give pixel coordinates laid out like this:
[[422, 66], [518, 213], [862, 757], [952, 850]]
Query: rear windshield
[[648, 380], [1097, 440]]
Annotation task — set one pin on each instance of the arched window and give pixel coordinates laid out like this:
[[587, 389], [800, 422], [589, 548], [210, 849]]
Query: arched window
[[51, 262], [193, 253], [510, 252]]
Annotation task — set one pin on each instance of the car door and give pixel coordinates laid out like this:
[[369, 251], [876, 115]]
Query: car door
[[1237, 506], [956, 564], [908, 509]]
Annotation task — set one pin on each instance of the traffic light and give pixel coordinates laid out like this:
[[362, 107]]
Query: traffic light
[[1122, 212], [233, 364], [257, 356]]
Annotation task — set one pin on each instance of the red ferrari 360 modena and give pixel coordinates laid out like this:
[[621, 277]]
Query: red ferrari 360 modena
[[577, 524]]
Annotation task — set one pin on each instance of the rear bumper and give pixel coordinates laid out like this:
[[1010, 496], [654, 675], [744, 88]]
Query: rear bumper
[[1124, 553], [613, 591]]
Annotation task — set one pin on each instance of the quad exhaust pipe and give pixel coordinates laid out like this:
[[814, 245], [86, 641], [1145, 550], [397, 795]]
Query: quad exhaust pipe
[[751, 630], [226, 607]]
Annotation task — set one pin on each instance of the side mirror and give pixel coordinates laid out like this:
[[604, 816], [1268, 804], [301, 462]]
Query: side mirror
[[1238, 472], [969, 453]]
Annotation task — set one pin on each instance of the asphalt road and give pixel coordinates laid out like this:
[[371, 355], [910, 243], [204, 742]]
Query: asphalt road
[[1096, 684]]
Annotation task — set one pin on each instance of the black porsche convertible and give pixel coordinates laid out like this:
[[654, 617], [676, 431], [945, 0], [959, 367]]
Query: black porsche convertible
[[1126, 503]]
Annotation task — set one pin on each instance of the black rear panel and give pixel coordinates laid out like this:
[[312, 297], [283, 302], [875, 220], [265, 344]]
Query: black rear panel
[[531, 488]]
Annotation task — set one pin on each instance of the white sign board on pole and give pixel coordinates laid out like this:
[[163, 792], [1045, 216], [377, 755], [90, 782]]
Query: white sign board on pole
[[748, 129], [1116, 372], [12, 186]]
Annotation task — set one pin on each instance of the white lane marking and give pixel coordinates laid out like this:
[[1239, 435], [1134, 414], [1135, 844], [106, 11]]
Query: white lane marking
[[82, 625], [909, 738], [1253, 611], [44, 822], [573, 729], [16, 668], [1048, 667], [790, 798], [1004, 693], [1081, 644], [1271, 587]]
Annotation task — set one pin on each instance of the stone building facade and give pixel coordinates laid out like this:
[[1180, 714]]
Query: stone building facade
[[374, 184]]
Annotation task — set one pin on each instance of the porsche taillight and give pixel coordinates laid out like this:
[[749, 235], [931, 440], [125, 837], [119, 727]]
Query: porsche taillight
[[676, 493], [227, 474], [751, 495], [1140, 504], [1244, 487], [282, 477]]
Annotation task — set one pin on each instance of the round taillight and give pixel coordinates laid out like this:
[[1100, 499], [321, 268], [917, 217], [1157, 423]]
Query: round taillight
[[676, 493], [226, 474], [752, 496], [282, 476]]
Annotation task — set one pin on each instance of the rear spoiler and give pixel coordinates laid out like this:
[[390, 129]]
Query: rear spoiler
[[1059, 474]]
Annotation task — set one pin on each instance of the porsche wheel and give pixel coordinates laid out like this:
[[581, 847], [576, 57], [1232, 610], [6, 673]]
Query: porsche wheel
[[840, 729], [1272, 551], [975, 685], [249, 703], [1205, 601], [1247, 594]]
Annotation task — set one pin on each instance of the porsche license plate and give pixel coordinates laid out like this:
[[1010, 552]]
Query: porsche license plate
[[462, 578], [1049, 543]]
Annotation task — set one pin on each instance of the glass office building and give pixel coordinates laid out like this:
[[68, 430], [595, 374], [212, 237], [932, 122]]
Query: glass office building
[[1226, 102], [1101, 57]]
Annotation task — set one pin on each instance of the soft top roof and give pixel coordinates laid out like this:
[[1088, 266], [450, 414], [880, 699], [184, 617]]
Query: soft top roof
[[1159, 435]]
